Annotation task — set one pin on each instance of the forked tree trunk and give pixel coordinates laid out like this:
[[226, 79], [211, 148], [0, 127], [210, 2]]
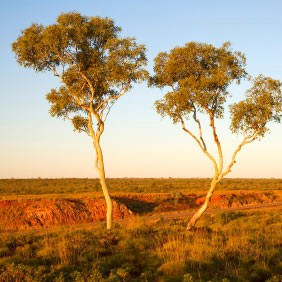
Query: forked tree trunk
[[218, 168], [191, 224], [101, 171]]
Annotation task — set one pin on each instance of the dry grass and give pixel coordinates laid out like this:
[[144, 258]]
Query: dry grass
[[240, 246]]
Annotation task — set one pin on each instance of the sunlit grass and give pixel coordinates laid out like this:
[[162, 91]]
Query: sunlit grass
[[239, 246], [132, 185]]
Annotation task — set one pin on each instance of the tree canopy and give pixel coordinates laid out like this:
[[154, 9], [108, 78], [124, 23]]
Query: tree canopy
[[262, 105], [94, 65], [198, 75]]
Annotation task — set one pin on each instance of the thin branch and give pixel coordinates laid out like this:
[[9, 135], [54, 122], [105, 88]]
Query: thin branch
[[197, 121], [82, 88], [122, 92], [109, 109], [74, 96], [81, 73], [107, 106], [201, 146], [200, 127], [246, 140]]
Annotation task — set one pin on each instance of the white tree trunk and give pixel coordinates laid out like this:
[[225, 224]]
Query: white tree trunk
[[100, 168], [204, 207]]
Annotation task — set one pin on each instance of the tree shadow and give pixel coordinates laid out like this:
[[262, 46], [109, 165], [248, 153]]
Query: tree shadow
[[171, 203], [137, 206]]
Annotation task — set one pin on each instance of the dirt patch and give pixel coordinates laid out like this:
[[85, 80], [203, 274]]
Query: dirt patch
[[26, 214]]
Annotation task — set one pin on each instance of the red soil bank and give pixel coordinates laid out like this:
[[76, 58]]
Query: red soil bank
[[36, 213], [237, 200]]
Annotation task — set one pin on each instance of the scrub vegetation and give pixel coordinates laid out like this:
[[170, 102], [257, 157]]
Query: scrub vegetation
[[237, 246], [135, 185]]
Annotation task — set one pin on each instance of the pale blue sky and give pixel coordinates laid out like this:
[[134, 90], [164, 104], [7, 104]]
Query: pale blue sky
[[137, 142]]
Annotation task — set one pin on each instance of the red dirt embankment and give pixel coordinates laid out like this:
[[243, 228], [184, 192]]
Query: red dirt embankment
[[36, 213], [164, 202], [21, 214]]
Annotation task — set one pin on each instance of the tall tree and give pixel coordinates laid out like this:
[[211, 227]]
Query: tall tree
[[198, 76], [95, 67]]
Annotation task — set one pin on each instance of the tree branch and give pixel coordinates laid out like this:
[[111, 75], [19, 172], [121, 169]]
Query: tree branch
[[216, 140], [246, 140], [122, 92], [109, 109], [81, 73], [201, 146], [74, 96], [200, 127]]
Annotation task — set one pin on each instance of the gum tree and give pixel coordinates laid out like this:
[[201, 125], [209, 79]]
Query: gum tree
[[95, 68], [197, 77]]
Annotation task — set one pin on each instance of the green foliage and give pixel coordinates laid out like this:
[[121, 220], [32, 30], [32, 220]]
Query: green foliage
[[188, 278], [38, 186], [94, 65], [275, 278], [177, 196], [262, 105], [198, 75]]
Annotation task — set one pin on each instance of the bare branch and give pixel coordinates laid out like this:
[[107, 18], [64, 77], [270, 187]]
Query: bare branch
[[246, 140], [201, 146], [109, 109], [200, 127]]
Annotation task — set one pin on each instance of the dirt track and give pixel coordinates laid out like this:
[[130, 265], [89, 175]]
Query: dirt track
[[190, 213]]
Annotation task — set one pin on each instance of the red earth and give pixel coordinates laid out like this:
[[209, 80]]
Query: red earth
[[21, 214]]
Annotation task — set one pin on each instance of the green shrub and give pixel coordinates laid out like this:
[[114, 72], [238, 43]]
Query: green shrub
[[275, 278]]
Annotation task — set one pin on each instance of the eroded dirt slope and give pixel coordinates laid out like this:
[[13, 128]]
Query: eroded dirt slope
[[36, 213], [143, 203], [21, 214]]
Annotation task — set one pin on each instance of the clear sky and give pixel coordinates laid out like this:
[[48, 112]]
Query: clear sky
[[137, 142]]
